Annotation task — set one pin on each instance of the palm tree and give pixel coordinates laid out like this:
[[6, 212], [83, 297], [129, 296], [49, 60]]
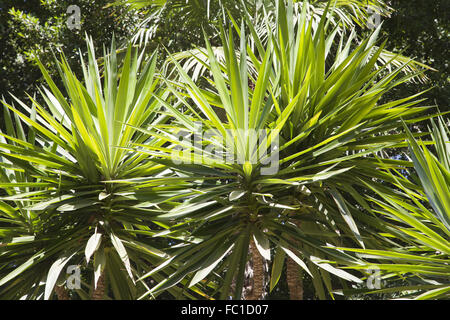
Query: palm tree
[[291, 192], [344, 17], [178, 24], [192, 15], [421, 218], [59, 166]]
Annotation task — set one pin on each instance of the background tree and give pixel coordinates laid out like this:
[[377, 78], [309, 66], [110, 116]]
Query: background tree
[[33, 28], [421, 29]]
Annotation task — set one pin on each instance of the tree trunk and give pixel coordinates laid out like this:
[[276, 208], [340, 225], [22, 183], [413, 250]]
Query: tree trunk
[[293, 274], [294, 281], [62, 293], [258, 273], [99, 292]]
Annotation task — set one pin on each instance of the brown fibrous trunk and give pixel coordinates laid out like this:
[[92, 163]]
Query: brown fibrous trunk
[[293, 274], [294, 281], [258, 273], [62, 293], [99, 291]]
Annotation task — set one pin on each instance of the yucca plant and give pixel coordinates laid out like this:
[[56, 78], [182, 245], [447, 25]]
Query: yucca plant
[[285, 153], [59, 165], [421, 215]]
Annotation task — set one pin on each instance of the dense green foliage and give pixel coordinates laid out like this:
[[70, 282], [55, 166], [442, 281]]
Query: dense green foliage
[[215, 149]]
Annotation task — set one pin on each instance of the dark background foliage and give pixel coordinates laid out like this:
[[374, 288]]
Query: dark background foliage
[[30, 28], [421, 28]]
